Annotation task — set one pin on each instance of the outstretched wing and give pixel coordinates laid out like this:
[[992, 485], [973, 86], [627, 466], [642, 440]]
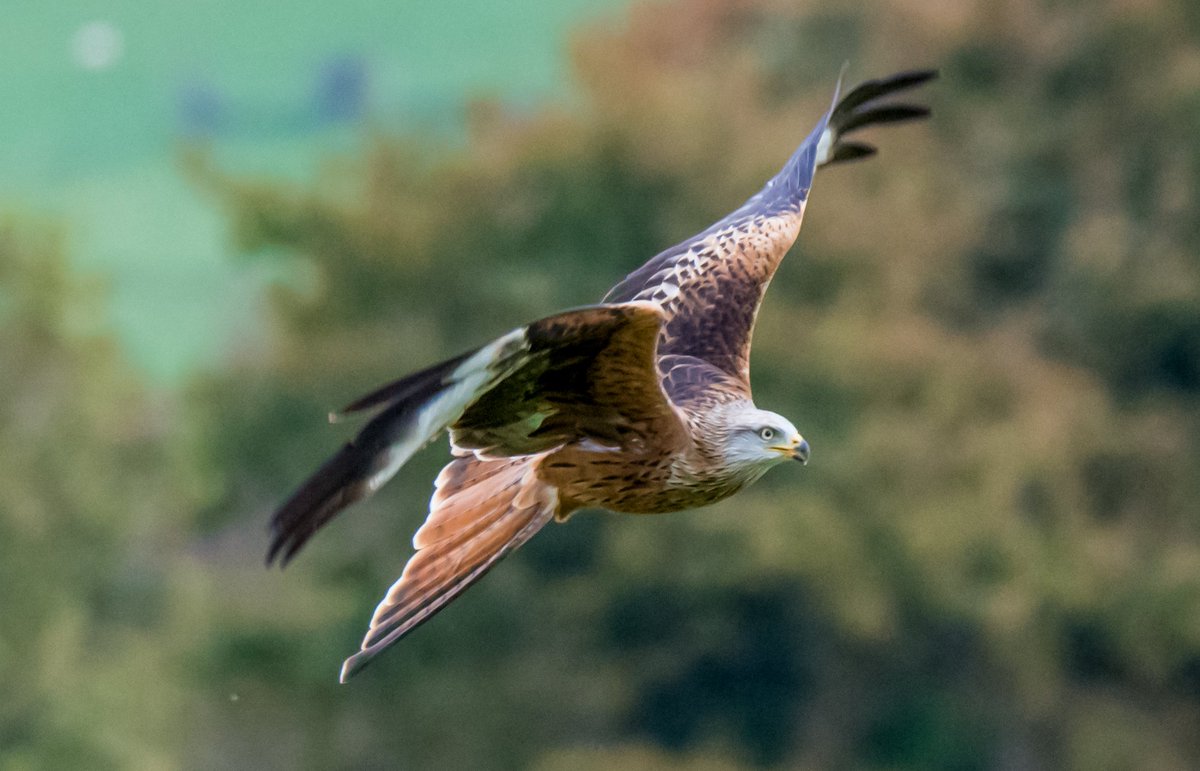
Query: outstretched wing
[[710, 286], [587, 373], [481, 511]]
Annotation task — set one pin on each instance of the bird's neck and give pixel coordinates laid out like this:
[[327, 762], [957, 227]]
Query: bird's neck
[[706, 462]]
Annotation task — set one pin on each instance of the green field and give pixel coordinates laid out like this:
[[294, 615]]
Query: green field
[[90, 143]]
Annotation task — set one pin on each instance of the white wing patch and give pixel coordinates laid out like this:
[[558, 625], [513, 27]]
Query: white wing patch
[[470, 380], [824, 146]]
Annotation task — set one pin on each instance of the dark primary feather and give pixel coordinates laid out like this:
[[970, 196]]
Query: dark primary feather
[[892, 113], [873, 89], [851, 151], [345, 478], [864, 106]]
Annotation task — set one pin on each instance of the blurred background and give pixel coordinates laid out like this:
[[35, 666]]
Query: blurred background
[[219, 221]]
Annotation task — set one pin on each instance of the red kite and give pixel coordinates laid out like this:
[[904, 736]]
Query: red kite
[[640, 404]]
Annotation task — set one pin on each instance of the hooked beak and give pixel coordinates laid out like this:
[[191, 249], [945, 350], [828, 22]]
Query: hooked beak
[[796, 450]]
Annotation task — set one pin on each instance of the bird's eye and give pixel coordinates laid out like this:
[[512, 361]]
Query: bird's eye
[[767, 434]]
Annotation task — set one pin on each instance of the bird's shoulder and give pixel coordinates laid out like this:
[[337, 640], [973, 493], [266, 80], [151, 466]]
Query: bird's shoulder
[[696, 386]]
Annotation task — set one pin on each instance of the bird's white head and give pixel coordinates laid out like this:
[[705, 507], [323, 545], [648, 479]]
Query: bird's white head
[[754, 439]]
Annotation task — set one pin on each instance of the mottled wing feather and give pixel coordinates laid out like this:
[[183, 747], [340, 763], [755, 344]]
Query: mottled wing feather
[[714, 294], [481, 511], [710, 286], [696, 385]]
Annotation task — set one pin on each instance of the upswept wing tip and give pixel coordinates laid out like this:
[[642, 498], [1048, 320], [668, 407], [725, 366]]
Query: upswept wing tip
[[866, 105]]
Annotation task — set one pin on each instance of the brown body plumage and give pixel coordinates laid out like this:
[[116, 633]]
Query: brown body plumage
[[641, 404]]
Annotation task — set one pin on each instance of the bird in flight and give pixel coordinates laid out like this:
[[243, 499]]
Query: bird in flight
[[640, 404]]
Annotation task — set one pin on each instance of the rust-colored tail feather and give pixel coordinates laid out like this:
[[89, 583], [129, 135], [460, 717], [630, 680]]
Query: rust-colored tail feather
[[481, 511]]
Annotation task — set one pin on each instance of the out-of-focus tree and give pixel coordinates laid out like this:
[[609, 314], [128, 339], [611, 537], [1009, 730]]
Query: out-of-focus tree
[[990, 334], [93, 531]]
